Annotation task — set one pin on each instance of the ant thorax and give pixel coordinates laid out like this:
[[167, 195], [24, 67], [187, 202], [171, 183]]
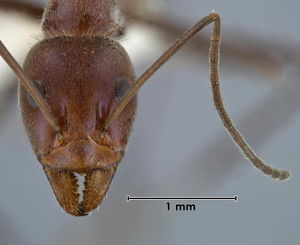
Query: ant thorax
[[82, 17]]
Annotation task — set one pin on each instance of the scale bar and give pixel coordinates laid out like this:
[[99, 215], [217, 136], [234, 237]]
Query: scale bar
[[234, 198]]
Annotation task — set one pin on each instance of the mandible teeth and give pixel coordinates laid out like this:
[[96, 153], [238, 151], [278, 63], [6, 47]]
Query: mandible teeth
[[80, 185], [96, 186], [79, 194]]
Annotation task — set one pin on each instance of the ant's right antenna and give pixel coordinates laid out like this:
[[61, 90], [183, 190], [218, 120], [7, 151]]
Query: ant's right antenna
[[30, 87]]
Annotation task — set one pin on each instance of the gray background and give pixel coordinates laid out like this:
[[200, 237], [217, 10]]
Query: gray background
[[179, 148]]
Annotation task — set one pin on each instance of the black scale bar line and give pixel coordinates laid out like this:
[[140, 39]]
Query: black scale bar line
[[129, 198]]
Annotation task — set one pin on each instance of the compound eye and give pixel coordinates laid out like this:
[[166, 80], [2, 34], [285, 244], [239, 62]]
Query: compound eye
[[122, 86], [41, 88]]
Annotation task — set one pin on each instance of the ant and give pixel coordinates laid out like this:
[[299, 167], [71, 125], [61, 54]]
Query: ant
[[77, 96]]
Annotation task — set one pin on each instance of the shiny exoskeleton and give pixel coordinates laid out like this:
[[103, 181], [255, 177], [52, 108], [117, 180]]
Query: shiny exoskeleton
[[83, 73], [78, 98]]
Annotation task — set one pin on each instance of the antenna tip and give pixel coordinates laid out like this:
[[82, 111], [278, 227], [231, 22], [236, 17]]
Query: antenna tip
[[284, 175]]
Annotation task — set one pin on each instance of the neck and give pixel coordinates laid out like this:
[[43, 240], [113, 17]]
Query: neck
[[81, 18]]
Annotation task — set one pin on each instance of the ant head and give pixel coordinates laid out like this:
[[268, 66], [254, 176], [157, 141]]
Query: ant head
[[82, 79]]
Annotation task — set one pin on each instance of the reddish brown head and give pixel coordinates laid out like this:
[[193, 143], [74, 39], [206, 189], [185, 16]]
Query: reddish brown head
[[82, 79]]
